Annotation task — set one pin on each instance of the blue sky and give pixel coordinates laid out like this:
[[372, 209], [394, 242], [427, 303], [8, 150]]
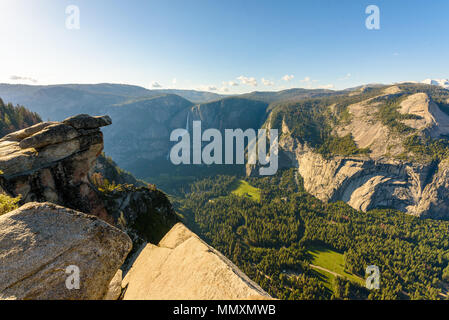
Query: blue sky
[[224, 46]]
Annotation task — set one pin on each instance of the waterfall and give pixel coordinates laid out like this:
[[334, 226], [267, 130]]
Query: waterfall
[[187, 122], [187, 131]]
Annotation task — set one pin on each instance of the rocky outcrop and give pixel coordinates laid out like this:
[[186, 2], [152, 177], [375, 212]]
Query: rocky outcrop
[[57, 161], [40, 241], [183, 267], [51, 161], [433, 121]]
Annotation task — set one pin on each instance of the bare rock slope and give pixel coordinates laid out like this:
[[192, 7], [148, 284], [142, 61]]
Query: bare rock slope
[[40, 240], [183, 266], [365, 184]]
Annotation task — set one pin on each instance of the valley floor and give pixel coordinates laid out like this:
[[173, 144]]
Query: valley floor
[[297, 247]]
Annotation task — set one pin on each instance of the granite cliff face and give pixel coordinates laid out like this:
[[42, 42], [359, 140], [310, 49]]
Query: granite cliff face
[[365, 184], [230, 113], [390, 175]]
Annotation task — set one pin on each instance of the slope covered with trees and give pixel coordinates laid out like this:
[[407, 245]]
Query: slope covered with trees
[[270, 240], [13, 118]]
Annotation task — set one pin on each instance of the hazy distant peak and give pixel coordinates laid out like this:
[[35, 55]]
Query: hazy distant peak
[[438, 82]]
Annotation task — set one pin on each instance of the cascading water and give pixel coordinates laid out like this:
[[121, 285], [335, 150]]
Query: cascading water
[[187, 131]]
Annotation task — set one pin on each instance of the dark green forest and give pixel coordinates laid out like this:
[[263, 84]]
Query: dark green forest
[[269, 240], [13, 118]]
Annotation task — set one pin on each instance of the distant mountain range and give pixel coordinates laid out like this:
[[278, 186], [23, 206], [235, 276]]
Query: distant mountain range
[[143, 119], [438, 82], [56, 102]]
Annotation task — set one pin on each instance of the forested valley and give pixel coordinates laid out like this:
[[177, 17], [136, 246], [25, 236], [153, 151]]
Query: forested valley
[[275, 240]]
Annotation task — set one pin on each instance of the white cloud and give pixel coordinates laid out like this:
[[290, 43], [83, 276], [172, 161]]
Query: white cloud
[[224, 89], [230, 83], [155, 84], [267, 82], [346, 77], [250, 81], [306, 79], [174, 81], [288, 77], [19, 78]]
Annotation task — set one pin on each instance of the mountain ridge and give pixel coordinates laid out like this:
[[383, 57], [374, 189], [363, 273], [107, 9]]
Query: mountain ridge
[[403, 126]]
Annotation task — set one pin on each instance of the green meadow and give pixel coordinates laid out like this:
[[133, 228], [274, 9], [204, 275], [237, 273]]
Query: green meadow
[[333, 263], [244, 189]]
